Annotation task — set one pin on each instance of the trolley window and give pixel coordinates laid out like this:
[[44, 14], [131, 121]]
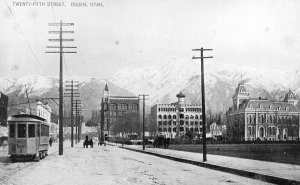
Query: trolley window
[[45, 130], [31, 130], [21, 130], [12, 130]]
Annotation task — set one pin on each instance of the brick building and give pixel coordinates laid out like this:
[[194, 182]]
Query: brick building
[[260, 119], [116, 106]]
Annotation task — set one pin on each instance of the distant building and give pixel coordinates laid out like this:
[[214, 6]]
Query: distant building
[[260, 119], [177, 118], [42, 110], [117, 106], [3, 109]]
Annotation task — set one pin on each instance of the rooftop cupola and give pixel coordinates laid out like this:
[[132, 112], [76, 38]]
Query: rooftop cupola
[[180, 97]]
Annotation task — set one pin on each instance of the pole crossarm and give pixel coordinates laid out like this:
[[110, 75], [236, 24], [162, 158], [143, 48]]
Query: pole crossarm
[[58, 32], [62, 47], [61, 24], [59, 40], [61, 52]]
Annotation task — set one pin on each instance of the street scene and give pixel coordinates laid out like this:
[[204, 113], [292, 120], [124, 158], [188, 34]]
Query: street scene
[[149, 92]]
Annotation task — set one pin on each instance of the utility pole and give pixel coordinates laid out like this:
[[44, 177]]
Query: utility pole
[[77, 112], [72, 94], [144, 95], [60, 40], [203, 98]]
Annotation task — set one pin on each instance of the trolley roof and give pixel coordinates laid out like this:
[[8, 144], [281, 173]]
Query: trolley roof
[[28, 116]]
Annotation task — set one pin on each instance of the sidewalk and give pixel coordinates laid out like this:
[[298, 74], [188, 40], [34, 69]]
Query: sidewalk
[[266, 171]]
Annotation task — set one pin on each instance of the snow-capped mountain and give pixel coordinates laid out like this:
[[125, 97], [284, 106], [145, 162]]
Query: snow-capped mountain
[[38, 87], [163, 82]]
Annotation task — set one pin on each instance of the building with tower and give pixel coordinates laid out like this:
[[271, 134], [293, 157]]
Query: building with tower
[[176, 119], [260, 119], [116, 107]]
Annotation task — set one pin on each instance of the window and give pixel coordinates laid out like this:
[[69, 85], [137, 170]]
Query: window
[[169, 117], [181, 129], [174, 129], [12, 131], [196, 123], [170, 122], [174, 123], [165, 129], [261, 132], [21, 130], [31, 130], [45, 130], [187, 117], [191, 129], [169, 129], [164, 122], [196, 117], [174, 116], [181, 116], [250, 131], [192, 123], [159, 129], [191, 117], [196, 129], [186, 123], [181, 122], [165, 117], [159, 116]]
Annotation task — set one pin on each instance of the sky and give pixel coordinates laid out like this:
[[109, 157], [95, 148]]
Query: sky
[[119, 34]]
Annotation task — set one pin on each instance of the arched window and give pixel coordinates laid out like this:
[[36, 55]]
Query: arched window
[[270, 119], [261, 118], [196, 117], [159, 116], [191, 117], [169, 117], [261, 132], [174, 116], [165, 117], [187, 117]]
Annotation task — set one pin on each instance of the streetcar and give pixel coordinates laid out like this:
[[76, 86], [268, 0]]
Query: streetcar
[[28, 137]]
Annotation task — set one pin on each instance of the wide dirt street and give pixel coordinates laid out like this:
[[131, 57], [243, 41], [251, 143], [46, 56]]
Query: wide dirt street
[[110, 165]]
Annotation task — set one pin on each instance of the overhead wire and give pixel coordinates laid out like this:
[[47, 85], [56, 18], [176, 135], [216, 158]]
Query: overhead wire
[[27, 42]]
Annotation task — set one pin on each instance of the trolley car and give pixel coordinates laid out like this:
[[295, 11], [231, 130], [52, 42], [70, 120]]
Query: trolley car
[[28, 137]]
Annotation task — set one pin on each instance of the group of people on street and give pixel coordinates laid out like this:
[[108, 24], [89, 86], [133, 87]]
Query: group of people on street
[[88, 142]]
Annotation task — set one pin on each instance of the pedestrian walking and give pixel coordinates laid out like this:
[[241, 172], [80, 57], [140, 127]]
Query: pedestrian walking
[[50, 141]]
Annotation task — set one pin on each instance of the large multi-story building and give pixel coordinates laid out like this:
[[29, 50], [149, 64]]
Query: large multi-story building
[[3, 109], [116, 107], [177, 118], [260, 119]]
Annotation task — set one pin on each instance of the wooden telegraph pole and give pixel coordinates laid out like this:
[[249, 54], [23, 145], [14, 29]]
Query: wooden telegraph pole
[[203, 98], [72, 91], [61, 51], [144, 95]]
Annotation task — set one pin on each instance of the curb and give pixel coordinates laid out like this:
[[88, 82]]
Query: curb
[[253, 175]]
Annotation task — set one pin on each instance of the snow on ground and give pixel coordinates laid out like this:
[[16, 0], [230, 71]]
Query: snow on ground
[[111, 165], [288, 171]]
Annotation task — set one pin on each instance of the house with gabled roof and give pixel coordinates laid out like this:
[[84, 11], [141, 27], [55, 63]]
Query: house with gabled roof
[[252, 119]]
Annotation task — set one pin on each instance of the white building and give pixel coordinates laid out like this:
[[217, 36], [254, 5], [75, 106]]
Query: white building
[[177, 118]]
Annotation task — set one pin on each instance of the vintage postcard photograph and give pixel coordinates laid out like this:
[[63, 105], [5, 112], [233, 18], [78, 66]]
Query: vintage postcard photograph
[[124, 92]]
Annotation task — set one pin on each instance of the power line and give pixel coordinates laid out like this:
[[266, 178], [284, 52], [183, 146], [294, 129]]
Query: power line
[[27, 42]]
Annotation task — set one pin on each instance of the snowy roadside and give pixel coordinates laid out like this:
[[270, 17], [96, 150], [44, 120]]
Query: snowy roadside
[[286, 171]]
